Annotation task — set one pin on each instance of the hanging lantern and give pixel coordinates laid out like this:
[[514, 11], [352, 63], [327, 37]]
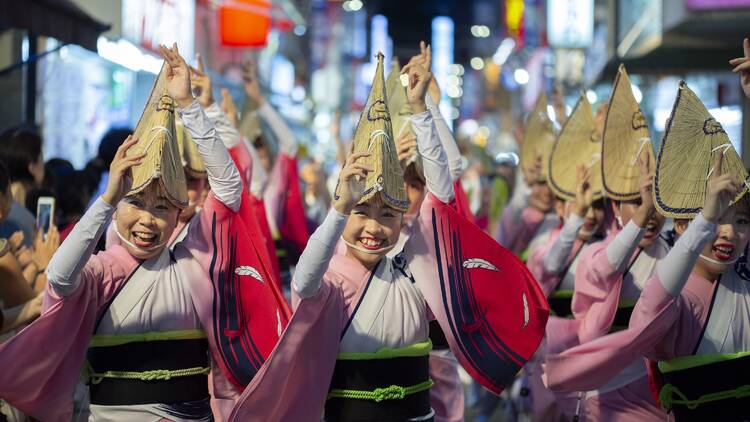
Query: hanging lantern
[[245, 23]]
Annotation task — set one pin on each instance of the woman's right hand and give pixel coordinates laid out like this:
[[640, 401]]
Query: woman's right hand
[[406, 148], [351, 184], [721, 189], [120, 179], [584, 194]]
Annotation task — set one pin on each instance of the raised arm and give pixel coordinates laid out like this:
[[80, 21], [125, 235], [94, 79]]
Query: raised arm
[[446, 138], [223, 176], [284, 135], [436, 171], [314, 260], [65, 267]]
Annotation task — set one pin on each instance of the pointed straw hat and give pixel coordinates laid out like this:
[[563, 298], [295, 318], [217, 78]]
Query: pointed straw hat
[[249, 125], [375, 135], [625, 139], [579, 142], [191, 159], [398, 105], [538, 138], [687, 156], [157, 139]]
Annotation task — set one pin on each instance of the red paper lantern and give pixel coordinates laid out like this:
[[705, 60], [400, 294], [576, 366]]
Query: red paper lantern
[[245, 23]]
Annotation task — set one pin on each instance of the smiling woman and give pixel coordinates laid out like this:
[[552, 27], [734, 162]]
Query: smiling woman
[[152, 321]]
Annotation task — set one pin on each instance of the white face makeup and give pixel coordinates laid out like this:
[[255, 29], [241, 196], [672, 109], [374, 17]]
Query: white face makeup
[[731, 239], [372, 230], [145, 222]]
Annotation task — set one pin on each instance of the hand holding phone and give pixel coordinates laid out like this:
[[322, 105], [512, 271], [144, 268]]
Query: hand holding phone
[[45, 213]]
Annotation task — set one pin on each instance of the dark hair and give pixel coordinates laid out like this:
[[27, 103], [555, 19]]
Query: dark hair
[[4, 178], [19, 147], [110, 142]]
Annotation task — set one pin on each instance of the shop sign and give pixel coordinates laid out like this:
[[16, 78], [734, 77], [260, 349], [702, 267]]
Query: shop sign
[[148, 23], [570, 23]]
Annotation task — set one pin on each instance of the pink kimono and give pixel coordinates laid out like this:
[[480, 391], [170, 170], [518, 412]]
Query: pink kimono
[[455, 279]]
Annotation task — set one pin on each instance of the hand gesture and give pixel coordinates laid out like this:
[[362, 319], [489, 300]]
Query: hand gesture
[[742, 66], [419, 73], [252, 87], [720, 190], [45, 247], [229, 107], [120, 180], [645, 184], [584, 194], [406, 148], [351, 184], [201, 84], [178, 76], [533, 174]]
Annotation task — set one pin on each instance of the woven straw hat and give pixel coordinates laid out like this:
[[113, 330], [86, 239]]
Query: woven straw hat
[[156, 137], [398, 105], [687, 155], [191, 158], [625, 139], [249, 125], [374, 134], [538, 138], [578, 143]]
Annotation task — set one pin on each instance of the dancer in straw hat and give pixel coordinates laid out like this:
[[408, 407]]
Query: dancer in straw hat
[[611, 273], [692, 314], [156, 329], [447, 395], [572, 174], [530, 212], [358, 344]]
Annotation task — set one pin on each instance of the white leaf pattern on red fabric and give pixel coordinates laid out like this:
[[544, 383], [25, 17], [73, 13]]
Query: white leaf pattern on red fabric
[[525, 310], [479, 263], [248, 270]]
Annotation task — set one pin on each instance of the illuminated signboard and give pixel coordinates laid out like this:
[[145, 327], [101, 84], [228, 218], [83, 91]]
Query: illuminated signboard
[[148, 23], [570, 23]]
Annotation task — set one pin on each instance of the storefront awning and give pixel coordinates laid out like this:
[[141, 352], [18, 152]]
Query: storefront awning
[[60, 19]]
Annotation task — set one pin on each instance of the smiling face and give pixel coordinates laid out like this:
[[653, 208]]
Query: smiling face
[[722, 252], [372, 230], [625, 211], [146, 220], [592, 221]]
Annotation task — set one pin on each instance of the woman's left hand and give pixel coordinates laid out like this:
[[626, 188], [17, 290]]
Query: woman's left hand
[[178, 76]]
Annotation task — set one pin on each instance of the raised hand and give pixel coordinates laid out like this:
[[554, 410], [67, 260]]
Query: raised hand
[[120, 180], [533, 174], [406, 148], [742, 66], [201, 84], [645, 187], [252, 87], [720, 190], [229, 107], [584, 194], [419, 73], [178, 76], [351, 184]]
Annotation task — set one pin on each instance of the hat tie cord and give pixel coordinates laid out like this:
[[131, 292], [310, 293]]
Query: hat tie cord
[[643, 141]]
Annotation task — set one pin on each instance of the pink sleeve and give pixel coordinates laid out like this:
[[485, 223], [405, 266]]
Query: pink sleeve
[[597, 292], [200, 231], [546, 280], [516, 235]]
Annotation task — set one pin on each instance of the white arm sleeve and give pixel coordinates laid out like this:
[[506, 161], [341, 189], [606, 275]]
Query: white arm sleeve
[[64, 269], [313, 263], [285, 136], [624, 244], [228, 134], [223, 176], [554, 262], [435, 162], [446, 138], [675, 268]]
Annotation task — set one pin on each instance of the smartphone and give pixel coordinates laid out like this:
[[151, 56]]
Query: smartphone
[[45, 212]]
